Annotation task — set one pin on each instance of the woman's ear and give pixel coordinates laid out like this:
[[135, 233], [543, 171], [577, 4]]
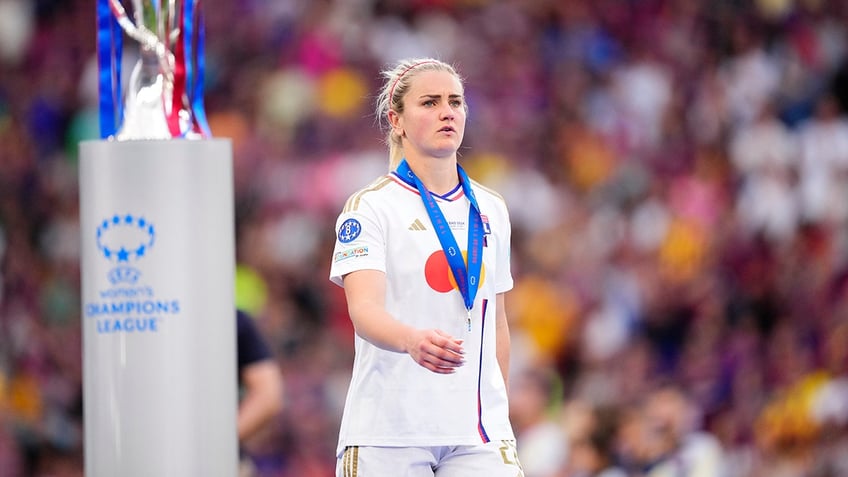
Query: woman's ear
[[394, 122]]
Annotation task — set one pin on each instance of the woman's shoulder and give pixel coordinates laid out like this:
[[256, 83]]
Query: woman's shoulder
[[485, 193], [486, 190], [363, 195]]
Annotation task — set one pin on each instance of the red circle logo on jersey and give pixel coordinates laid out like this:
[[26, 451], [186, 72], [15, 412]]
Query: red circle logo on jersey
[[439, 275]]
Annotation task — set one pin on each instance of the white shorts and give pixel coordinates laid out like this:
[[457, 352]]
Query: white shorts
[[494, 459]]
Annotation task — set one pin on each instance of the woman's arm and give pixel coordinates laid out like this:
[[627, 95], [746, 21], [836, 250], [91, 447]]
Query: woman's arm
[[502, 338], [433, 349], [263, 397]]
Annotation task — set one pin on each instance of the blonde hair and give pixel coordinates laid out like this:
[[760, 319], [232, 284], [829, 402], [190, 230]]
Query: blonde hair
[[396, 83]]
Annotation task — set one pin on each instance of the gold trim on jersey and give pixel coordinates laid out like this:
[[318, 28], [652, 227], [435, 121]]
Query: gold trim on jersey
[[350, 461], [352, 203], [491, 191]]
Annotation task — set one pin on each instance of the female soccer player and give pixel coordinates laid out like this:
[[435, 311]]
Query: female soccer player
[[423, 256]]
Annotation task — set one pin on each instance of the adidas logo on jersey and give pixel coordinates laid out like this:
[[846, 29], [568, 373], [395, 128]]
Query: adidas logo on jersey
[[417, 225]]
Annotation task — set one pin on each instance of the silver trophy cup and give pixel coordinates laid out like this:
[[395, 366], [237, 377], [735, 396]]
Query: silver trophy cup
[[150, 93]]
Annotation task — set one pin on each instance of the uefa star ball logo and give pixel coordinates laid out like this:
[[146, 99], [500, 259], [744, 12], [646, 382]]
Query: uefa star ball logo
[[125, 239]]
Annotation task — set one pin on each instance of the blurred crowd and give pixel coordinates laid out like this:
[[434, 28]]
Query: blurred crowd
[[677, 177]]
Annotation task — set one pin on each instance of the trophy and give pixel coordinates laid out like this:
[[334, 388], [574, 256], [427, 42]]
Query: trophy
[[164, 97], [157, 268]]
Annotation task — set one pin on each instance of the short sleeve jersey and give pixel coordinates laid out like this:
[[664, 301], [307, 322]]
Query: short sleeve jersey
[[392, 400]]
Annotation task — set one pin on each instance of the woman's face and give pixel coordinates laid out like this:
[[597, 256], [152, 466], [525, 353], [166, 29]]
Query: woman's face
[[433, 119]]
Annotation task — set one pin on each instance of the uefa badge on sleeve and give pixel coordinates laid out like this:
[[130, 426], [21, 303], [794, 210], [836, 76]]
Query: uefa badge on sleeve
[[349, 231]]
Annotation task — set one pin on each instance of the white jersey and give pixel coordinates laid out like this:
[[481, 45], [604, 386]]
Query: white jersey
[[393, 401]]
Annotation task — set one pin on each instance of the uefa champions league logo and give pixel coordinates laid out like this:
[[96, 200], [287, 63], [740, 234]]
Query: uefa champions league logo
[[125, 239], [128, 306]]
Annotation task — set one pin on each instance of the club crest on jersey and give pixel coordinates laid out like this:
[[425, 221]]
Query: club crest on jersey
[[487, 230], [349, 230]]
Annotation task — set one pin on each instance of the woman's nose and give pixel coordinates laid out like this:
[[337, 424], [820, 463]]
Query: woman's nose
[[447, 112]]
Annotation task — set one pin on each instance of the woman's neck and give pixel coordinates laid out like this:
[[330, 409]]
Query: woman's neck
[[438, 175]]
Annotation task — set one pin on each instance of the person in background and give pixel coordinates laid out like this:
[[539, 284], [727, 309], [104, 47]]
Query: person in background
[[423, 254], [679, 448], [260, 384], [533, 401], [593, 452]]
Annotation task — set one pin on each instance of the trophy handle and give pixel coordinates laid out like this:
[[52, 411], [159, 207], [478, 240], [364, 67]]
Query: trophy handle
[[164, 99], [145, 37]]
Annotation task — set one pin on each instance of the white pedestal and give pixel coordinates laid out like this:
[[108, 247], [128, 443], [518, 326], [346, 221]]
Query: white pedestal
[[158, 313]]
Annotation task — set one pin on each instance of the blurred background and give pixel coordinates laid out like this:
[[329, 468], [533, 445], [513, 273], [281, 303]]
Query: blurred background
[[676, 172]]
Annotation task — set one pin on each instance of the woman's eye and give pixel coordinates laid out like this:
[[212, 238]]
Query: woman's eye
[[456, 103]]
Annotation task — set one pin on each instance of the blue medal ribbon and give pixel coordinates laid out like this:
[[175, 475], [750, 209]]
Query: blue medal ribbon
[[467, 277]]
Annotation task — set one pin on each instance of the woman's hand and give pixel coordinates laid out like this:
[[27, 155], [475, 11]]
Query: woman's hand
[[432, 349], [436, 350]]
